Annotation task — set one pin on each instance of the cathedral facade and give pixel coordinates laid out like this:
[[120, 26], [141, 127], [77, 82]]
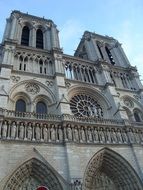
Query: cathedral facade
[[67, 122]]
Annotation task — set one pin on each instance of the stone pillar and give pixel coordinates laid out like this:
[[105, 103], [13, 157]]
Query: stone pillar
[[32, 37], [7, 29], [13, 28], [54, 37]]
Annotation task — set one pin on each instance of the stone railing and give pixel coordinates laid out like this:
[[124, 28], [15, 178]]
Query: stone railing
[[67, 131], [30, 116]]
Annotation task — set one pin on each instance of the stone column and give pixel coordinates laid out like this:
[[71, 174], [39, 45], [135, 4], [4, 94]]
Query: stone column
[[13, 28]]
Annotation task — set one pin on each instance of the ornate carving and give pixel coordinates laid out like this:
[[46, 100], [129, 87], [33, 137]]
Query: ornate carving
[[76, 184], [67, 84], [15, 78], [49, 83], [137, 97], [128, 103], [84, 106], [32, 88]]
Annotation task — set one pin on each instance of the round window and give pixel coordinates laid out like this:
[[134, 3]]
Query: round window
[[84, 106]]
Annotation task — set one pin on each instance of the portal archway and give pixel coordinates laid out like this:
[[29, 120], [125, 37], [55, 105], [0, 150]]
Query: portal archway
[[32, 175], [109, 170]]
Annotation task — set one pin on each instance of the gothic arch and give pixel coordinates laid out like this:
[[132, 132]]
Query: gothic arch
[[110, 165], [102, 100], [36, 170]]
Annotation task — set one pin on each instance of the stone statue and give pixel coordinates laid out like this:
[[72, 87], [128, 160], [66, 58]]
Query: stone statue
[[113, 136], [96, 137], [4, 129], [21, 131], [76, 136], [101, 135], [37, 131], [13, 130], [131, 136], [29, 132], [108, 135], [45, 133], [119, 136], [53, 133], [60, 133], [89, 132], [136, 135], [83, 138], [124, 136], [69, 133]]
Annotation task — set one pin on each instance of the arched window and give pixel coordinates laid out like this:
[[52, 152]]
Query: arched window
[[41, 108], [110, 55], [20, 106], [25, 36], [39, 39], [137, 116], [100, 51]]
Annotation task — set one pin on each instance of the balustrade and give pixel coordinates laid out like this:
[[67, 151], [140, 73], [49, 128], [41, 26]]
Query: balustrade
[[80, 71], [61, 132]]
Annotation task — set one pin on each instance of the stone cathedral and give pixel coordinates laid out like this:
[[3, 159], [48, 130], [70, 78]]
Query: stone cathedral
[[67, 122]]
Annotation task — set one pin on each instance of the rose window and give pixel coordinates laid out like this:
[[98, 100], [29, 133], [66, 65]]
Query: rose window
[[84, 106]]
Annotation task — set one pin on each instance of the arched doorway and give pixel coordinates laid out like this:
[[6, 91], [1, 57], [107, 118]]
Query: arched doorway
[[33, 175], [108, 170]]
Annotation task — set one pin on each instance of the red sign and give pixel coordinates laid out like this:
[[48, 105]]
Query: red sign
[[42, 188]]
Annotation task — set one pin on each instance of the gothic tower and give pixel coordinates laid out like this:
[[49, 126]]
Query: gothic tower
[[67, 122]]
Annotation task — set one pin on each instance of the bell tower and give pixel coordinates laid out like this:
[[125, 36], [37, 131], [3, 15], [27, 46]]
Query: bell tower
[[27, 30]]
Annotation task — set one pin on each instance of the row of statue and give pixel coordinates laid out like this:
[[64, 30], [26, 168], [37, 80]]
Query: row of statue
[[68, 133]]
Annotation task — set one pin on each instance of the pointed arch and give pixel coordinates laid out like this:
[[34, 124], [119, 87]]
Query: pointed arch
[[118, 171], [38, 171], [39, 39], [25, 36]]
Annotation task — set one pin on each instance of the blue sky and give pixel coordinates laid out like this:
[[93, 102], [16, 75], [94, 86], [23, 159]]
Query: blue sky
[[121, 19]]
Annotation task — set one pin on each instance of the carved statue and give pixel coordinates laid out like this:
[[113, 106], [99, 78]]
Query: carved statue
[[53, 133], [137, 137], [119, 136], [69, 133], [29, 132], [108, 135], [13, 130], [76, 136], [89, 132], [124, 136], [113, 136], [60, 133], [21, 131], [101, 135], [37, 131], [83, 138], [96, 137], [131, 136], [4, 129], [45, 133]]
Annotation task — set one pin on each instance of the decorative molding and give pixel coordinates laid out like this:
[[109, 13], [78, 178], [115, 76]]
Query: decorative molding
[[15, 79], [32, 88], [128, 103], [49, 83]]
